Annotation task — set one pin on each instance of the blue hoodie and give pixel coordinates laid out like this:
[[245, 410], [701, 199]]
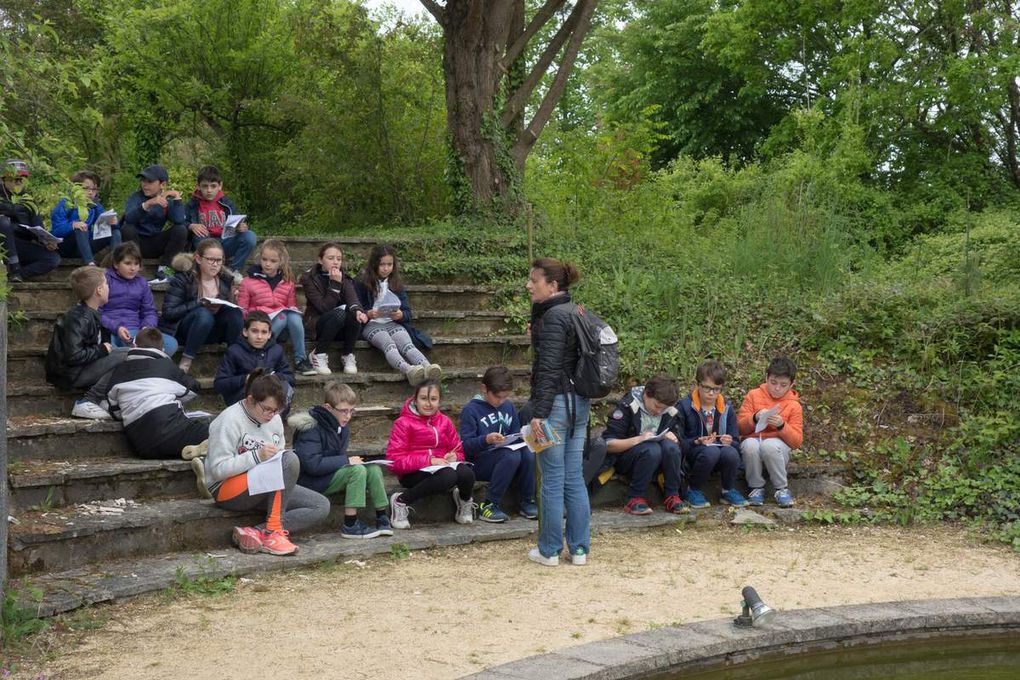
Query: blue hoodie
[[480, 418]]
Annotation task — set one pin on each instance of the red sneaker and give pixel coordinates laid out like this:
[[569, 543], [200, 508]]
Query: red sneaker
[[637, 506], [676, 505], [247, 539], [277, 543]]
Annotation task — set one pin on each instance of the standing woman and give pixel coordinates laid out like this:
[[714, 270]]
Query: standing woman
[[554, 344]]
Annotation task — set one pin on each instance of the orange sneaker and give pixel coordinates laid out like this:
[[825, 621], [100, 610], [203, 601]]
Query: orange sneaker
[[277, 543], [247, 539]]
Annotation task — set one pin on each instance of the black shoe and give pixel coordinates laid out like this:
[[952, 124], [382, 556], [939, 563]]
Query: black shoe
[[304, 367], [14, 275]]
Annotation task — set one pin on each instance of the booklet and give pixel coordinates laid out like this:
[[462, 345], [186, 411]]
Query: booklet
[[273, 315], [763, 422], [432, 469], [103, 228], [41, 234], [543, 439], [217, 301], [510, 441], [230, 225], [659, 437], [267, 476]]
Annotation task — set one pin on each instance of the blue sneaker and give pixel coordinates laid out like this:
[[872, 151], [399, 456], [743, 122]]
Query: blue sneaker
[[696, 499], [732, 497], [784, 498], [490, 512], [529, 509], [383, 526], [756, 497], [358, 530]]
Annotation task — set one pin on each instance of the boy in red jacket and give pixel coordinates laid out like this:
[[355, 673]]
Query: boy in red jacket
[[771, 423]]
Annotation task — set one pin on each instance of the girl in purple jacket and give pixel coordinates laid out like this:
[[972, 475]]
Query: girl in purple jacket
[[130, 306]]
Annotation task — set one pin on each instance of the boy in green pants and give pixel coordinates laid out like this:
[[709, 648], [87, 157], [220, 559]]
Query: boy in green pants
[[321, 437]]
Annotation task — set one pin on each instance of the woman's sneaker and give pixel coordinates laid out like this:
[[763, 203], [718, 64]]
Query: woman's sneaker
[[321, 363], [399, 512], [350, 364], [756, 497], [465, 509], [696, 499], [490, 512], [358, 530], [304, 367], [529, 509], [732, 497], [784, 498], [536, 556], [277, 543]]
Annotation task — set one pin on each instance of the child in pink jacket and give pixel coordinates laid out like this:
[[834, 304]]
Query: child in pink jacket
[[271, 287], [428, 457]]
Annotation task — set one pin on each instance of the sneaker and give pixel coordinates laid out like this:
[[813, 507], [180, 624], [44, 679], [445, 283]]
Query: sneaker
[[676, 505], [383, 526], [465, 509], [415, 375], [732, 497], [198, 467], [696, 499], [247, 539], [756, 497], [434, 371], [83, 408], [14, 274], [304, 367], [784, 498], [579, 557], [162, 280], [535, 556], [320, 362], [399, 513], [490, 512], [529, 509], [277, 543], [350, 364], [637, 506], [195, 450], [358, 530]]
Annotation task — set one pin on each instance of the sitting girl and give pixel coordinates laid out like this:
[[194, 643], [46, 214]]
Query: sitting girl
[[241, 437], [269, 287], [423, 437], [389, 328], [188, 312], [130, 306], [333, 311]]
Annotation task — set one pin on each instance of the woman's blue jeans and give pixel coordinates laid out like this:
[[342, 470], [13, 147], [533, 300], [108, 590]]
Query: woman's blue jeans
[[201, 327], [561, 482]]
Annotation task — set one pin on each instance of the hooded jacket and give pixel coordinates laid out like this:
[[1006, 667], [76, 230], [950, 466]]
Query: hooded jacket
[[792, 431], [240, 359], [63, 217], [625, 420], [321, 446], [211, 216], [415, 439], [693, 426], [554, 346], [182, 293], [323, 295], [259, 292], [150, 222], [480, 418], [130, 303]]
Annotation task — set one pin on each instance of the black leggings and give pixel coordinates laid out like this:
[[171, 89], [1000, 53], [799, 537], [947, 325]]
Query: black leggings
[[420, 484], [334, 324]]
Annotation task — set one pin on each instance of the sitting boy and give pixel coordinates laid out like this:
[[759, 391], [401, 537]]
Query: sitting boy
[[77, 356], [642, 415], [254, 349], [207, 212], [147, 391], [771, 423], [321, 437], [28, 254], [709, 437], [483, 423], [145, 214]]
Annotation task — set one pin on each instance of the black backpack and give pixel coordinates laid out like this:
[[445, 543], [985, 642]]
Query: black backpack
[[598, 360]]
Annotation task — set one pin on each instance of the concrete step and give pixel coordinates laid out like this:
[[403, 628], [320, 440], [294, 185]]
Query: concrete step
[[33, 329], [372, 387], [56, 297], [26, 365]]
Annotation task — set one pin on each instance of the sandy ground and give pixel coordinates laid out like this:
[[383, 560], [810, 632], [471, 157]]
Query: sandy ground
[[446, 613]]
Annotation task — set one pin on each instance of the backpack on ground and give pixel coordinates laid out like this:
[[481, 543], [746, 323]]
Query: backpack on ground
[[598, 349]]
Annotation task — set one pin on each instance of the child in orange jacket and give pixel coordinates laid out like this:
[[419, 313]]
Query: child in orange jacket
[[771, 423]]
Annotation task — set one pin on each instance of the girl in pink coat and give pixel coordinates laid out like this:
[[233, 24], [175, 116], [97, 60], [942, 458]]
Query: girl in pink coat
[[271, 287], [428, 457]]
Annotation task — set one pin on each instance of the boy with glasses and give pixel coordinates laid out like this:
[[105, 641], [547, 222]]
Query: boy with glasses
[[710, 437], [321, 437], [28, 253], [79, 235]]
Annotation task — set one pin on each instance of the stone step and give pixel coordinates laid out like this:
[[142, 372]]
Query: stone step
[[56, 297], [372, 387], [27, 364], [33, 329]]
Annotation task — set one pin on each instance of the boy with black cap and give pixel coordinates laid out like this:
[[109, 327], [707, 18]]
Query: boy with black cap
[[145, 215], [28, 254]]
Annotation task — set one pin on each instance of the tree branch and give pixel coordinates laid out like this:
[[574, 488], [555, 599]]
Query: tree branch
[[540, 19], [436, 10], [519, 99]]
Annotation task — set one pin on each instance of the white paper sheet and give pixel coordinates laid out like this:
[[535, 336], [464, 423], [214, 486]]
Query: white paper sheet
[[267, 476]]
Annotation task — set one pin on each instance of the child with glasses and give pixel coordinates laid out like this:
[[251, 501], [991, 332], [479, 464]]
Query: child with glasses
[[78, 233], [321, 437], [709, 437]]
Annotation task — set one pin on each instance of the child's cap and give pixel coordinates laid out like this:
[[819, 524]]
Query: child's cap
[[154, 173], [15, 167]]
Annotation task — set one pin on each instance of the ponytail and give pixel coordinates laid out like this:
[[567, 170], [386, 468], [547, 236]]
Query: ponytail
[[562, 272], [260, 385]]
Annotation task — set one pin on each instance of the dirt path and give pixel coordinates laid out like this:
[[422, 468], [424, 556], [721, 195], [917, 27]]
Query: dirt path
[[451, 612]]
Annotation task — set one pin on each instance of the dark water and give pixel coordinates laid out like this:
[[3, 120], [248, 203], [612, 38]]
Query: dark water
[[975, 658]]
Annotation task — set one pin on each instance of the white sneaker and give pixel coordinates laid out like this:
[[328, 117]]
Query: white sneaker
[[434, 372], [83, 408], [320, 362], [415, 375], [579, 558], [399, 513], [198, 467], [465, 509], [350, 364], [535, 556], [195, 450]]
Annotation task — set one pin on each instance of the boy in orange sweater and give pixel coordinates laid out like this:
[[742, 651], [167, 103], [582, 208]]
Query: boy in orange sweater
[[771, 423]]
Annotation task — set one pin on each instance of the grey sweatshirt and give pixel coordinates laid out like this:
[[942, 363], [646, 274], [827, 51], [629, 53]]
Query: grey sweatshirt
[[235, 439]]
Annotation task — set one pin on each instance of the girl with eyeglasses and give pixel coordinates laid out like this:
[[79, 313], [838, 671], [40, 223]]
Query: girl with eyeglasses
[[189, 312]]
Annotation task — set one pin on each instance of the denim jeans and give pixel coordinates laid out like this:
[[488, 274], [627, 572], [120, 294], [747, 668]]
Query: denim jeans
[[78, 244], [705, 460], [236, 249], [201, 327], [169, 342], [561, 482], [294, 324]]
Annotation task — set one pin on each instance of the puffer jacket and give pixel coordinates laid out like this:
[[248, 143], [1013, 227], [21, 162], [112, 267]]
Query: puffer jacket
[[792, 431], [321, 446], [130, 304], [258, 292], [554, 346], [63, 216], [240, 359], [323, 295], [415, 439], [182, 294]]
